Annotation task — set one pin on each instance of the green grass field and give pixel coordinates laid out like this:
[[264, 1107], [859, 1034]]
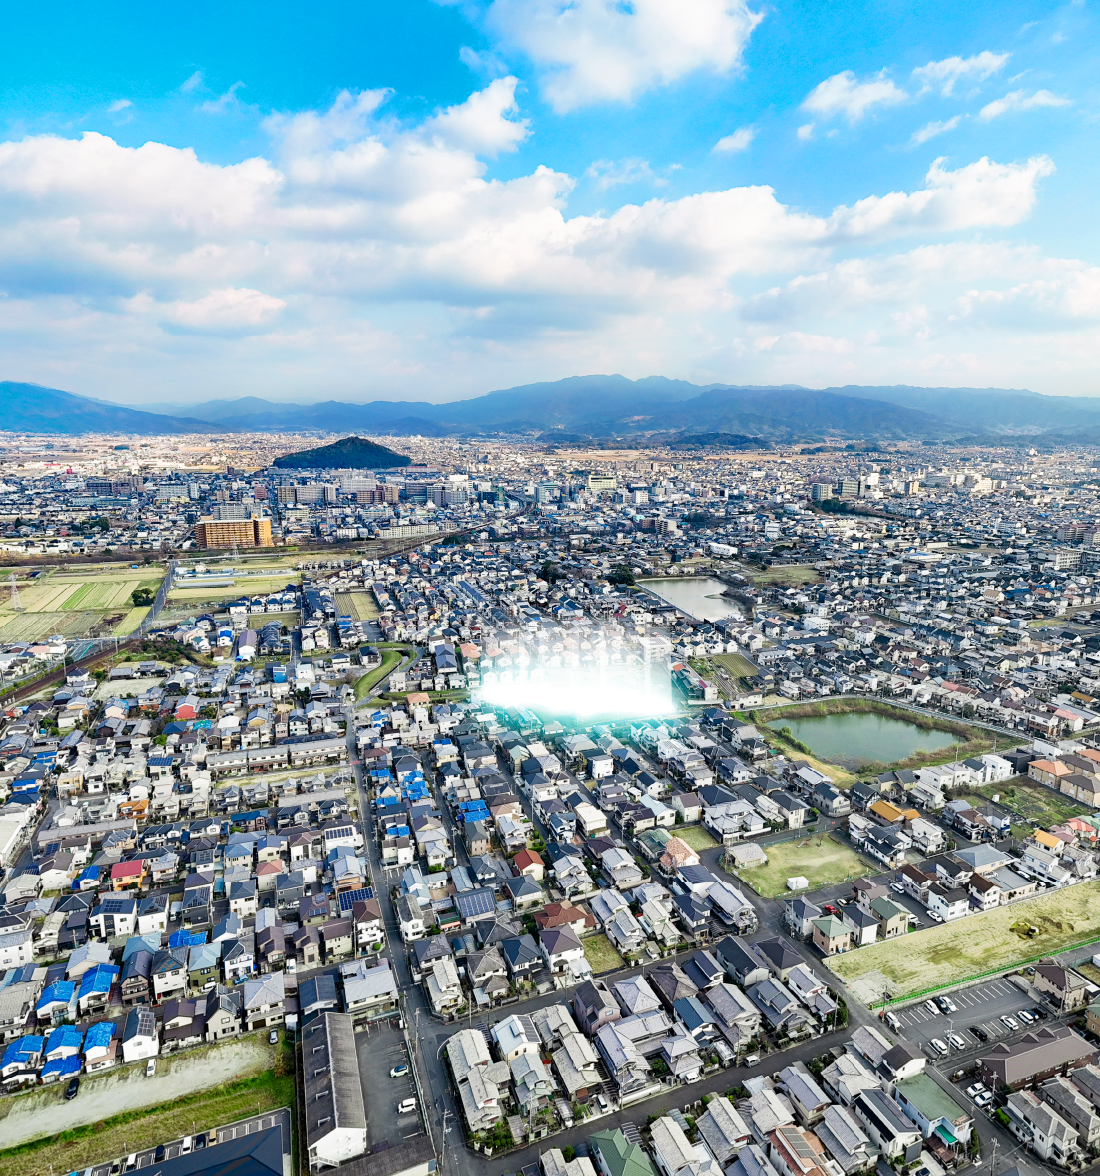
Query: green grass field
[[34, 626], [131, 621], [599, 953], [791, 576], [953, 952], [821, 860], [1032, 801], [242, 586], [360, 606], [695, 836], [391, 658]]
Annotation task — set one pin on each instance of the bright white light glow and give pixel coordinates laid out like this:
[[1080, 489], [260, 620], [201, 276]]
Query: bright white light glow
[[635, 692]]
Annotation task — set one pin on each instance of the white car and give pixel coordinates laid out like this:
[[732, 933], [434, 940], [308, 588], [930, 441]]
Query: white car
[[893, 1022], [956, 1041], [932, 1007], [1010, 1022], [407, 1107], [939, 1046], [984, 1099], [935, 916], [975, 1090], [1025, 1016]]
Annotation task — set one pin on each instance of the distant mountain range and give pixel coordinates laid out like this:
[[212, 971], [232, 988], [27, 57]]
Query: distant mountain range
[[584, 409]]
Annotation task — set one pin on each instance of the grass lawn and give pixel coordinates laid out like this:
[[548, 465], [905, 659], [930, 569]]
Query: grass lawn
[[391, 658], [1032, 801], [817, 857], [737, 664], [131, 621], [695, 836], [131, 1131], [952, 952], [599, 953]]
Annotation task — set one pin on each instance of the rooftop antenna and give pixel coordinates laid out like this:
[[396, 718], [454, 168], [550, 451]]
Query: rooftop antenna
[[15, 606]]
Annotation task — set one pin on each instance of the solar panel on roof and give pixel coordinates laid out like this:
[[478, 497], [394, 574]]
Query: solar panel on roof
[[476, 902], [350, 897]]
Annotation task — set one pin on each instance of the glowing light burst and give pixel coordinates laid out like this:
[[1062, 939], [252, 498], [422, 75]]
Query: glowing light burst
[[604, 692]]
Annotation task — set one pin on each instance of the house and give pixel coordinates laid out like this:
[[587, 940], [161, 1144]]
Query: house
[[671, 1149], [113, 917], [935, 1112], [516, 1035], [1039, 1054], [443, 986], [1064, 988], [887, 1126], [264, 1003], [223, 1013], [168, 973], [139, 1035], [369, 990], [723, 1129], [830, 935], [807, 1098], [594, 1006], [576, 1063], [893, 920], [1039, 1125], [799, 913], [528, 864], [410, 918], [741, 962], [561, 946], [565, 914], [615, 1155], [1064, 1096]]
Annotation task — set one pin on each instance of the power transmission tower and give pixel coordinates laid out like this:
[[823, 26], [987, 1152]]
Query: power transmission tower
[[15, 605]]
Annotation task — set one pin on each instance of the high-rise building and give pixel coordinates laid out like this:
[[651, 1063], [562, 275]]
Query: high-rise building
[[254, 532]]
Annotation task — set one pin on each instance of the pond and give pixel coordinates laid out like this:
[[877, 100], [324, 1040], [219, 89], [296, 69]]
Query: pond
[[853, 740], [698, 596]]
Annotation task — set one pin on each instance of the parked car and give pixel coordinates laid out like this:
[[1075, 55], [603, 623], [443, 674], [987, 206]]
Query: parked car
[[979, 1033], [897, 887], [407, 1107], [946, 1005], [400, 1071], [983, 1100], [158, 1155], [956, 1041], [1024, 1016], [939, 1046], [935, 916], [273, 1037], [1010, 1022], [73, 1089], [892, 1020], [975, 1090], [1038, 1014], [150, 1067], [932, 1007]]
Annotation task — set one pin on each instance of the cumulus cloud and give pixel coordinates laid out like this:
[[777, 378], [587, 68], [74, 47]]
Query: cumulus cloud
[[1017, 100], [362, 243], [592, 51], [842, 94], [946, 73], [738, 141], [932, 129]]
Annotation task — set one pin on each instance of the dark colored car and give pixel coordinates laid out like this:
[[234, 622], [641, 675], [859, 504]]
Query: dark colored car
[[158, 1155], [73, 1088], [980, 1033], [200, 1140]]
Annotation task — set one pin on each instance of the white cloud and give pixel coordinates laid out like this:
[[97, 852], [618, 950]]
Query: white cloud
[[192, 83], [806, 132], [592, 51], [610, 173], [480, 124], [223, 102], [362, 243], [932, 129], [947, 72], [738, 141], [842, 94], [1018, 100], [118, 105]]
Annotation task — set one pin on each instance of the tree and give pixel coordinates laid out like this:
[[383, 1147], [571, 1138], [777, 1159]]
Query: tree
[[621, 574], [142, 596], [549, 572]]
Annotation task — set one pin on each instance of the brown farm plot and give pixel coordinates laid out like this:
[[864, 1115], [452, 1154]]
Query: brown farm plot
[[997, 940]]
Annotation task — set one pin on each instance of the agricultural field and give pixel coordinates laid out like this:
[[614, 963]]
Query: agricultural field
[[30, 626], [695, 836], [106, 595], [992, 941], [131, 621], [360, 606], [601, 955], [1032, 801], [737, 664], [818, 858], [792, 576]]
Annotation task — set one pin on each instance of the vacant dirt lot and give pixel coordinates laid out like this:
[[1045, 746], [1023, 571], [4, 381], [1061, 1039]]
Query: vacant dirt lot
[[951, 952]]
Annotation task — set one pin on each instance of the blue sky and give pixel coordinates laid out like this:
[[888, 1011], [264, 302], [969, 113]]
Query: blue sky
[[430, 200]]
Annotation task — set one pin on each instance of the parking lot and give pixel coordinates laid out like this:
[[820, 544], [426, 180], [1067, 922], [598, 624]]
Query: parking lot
[[979, 1007], [174, 1148], [380, 1048]]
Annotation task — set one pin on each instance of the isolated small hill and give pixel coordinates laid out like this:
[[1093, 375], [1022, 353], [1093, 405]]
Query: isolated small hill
[[349, 453]]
